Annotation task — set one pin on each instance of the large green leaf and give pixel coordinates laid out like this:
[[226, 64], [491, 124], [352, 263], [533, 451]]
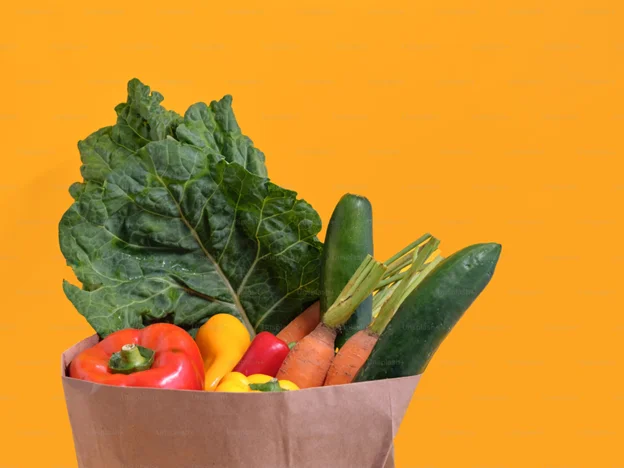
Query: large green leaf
[[142, 120], [171, 225], [214, 129]]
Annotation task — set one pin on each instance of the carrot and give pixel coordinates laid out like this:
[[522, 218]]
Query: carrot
[[354, 353], [351, 357], [302, 324], [307, 363]]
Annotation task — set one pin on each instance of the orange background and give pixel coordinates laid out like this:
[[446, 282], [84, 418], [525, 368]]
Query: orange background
[[475, 121]]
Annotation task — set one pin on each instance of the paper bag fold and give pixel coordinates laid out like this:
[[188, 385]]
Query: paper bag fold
[[342, 426]]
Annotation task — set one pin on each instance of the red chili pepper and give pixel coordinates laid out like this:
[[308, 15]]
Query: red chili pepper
[[159, 356], [264, 355]]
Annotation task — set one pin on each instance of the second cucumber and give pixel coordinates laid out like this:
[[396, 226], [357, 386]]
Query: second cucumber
[[429, 313]]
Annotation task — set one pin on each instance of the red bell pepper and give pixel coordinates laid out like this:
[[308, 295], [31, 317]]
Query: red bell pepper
[[264, 355], [159, 356]]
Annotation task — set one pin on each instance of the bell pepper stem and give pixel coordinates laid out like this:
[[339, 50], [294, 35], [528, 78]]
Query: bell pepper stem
[[131, 354], [270, 386], [131, 358]]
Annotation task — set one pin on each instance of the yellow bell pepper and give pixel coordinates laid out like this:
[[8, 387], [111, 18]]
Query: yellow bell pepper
[[258, 378], [287, 385], [282, 385], [222, 341], [233, 382], [237, 382], [234, 377]]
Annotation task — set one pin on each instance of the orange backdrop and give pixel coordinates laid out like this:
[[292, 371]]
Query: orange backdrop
[[473, 120]]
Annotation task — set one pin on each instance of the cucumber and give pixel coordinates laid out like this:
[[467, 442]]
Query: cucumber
[[348, 241], [429, 313]]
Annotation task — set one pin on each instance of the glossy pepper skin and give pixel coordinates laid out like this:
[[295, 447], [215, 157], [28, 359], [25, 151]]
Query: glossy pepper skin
[[177, 362], [222, 341], [239, 383], [264, 355]]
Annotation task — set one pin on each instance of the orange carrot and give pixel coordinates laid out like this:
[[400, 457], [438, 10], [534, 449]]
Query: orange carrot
[[307, 363], [354, 353], [351, 357], [302, 324]]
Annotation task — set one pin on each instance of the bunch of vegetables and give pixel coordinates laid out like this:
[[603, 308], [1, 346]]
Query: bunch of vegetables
[[199, 273]]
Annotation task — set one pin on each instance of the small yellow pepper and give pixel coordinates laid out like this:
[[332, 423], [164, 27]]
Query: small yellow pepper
[[287, 385], [222, 341], [237, 382], [233, 382], [258, 378]]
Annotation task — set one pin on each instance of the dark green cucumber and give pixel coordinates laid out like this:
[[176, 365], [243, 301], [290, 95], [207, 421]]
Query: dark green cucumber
[[348, 241], [429, 313]]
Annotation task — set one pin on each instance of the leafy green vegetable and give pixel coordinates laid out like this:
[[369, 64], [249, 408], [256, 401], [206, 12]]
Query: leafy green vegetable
[[175, 221]]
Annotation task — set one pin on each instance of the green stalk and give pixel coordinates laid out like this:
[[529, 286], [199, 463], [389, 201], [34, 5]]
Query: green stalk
[[405, 256], [360, 286], [382, 294], [394, 275], [402, 262], [414, 282], [398, 265], [359, 276], [392, 279], [407, 249], [390, 305], [381, 302]]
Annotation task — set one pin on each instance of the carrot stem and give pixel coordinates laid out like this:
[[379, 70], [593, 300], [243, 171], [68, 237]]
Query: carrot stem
[[413, 282], [382, 295], [360, 286], [398, 265], [390, 305], [392, 279], [407, 249]]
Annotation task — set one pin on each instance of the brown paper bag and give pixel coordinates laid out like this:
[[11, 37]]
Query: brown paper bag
[[344, 426]]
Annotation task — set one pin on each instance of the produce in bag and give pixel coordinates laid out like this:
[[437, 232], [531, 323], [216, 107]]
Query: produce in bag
[[222, 340], [302, 324], [159, 356], [175, 221], [177, 234], [349, 240], [308, 362], [429, 313], [265, 355], [352, 355]]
